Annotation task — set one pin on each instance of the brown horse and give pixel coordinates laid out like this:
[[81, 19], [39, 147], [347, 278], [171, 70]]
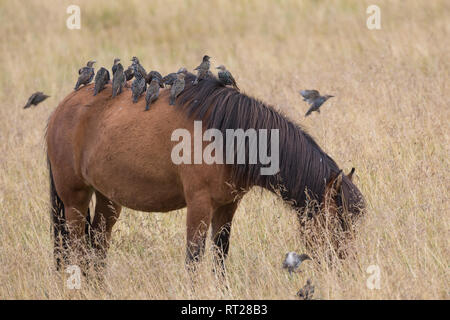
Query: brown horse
[[113, 148]]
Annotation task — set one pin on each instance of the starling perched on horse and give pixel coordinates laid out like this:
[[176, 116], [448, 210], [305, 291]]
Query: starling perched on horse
[[203, 69], [152, 92], [155, 74], [226, 77], [35, 99], [314, 98], [171, 77], [138, 86], [101, 79], [137, 67], [177, 88], [118, 80], [86, 74], [114, 67], [129, 73]]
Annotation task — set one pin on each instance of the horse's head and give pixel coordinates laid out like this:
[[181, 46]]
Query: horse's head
[[344, 202], [343, 197]]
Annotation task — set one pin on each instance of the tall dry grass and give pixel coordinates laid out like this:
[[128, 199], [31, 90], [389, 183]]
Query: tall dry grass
[[390, 120]]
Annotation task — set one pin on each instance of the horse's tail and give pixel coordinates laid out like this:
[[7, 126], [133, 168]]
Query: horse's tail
[[58, 221]]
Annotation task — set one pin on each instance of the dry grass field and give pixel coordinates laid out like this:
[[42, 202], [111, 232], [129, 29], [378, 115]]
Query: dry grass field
[[389, 120]]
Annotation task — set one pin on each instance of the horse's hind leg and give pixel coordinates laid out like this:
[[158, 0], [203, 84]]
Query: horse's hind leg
[[76, 202], [106, 215], [221, 228]]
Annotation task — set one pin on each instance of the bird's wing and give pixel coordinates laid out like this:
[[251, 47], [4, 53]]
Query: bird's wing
[[309, 94], [30, 100]]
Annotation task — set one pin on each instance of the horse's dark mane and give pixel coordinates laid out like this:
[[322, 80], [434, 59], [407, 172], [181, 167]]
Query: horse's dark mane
[[303, 164]]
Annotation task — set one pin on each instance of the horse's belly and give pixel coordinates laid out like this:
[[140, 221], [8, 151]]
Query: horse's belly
[[134, 175]]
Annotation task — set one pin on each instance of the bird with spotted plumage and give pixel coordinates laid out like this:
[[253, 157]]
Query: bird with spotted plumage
[[152, 93], [314, 99], [169, 79], [114, 67], [35, 99], [226, 77], [101, 79], [86, 74], [203, 69], [139, 85], [155, 75], [118, 81], [129, 73], [307, 292], [137, 67], [177, 88], [292, 261]]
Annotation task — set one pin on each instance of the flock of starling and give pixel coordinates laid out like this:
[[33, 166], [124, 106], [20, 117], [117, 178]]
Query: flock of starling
[[156, 81], [153, 79]]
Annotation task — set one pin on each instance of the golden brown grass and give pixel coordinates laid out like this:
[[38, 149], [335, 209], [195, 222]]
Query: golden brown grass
[[390, 120]]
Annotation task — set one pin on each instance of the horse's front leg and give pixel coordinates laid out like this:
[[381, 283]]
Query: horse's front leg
[[199, 213], [221, 228]]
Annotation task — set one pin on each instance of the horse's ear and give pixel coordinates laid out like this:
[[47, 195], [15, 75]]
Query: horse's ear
[[350, 175]]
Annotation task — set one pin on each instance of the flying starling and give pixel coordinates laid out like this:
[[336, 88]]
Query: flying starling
[[226, 77], [86, 74], [177, 88], [152, 93], [101, 79], [292, 261], [118, 80], [155, 74], [114, 67], [314, 99], [203, 70], [307, 292], [138, 85], [35, 99], [171, 77], [137, 67]]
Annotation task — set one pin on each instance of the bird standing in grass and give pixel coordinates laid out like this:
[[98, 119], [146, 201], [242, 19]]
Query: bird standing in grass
[[138, 86], [118, 80], [226, 77], [101, 79], [307, 292], [292, 261], [171, 77], [177, 88], [203, 69], [35, 99], [152, 93], [314, 99], [86, 74]]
